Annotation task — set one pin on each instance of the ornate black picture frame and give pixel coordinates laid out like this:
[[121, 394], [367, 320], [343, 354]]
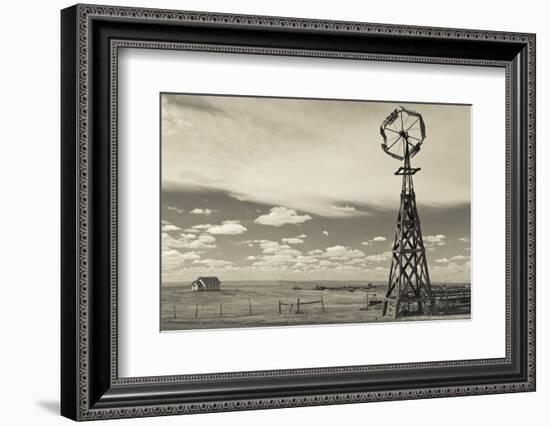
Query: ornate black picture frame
[[91, 387]]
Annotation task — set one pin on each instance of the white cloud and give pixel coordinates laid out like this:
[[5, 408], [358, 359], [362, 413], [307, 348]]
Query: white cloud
[[214, 263], [343, 267], [298, 265], [382, 257], [171, 242], [173, 260], [273, 260], [279, 216], [188, 236], [206, 212], [376, 239], [451, 271], [192, 230], [347, 210], [168, 227], [200, 227], [176, 209], [275, 254], [459, 258], [272, 247], [342, 253], [325, 232], [284, 258], [356, 261], [301, 236], [379, 238], [464, 239], [306, 259], [269, 247], [202, 242], [189, 241], [435, 240], [208, 239], [190, 255], [227, 227], [292, 240]]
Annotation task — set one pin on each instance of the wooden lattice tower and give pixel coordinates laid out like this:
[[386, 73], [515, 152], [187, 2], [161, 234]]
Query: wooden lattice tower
[[409, 289]]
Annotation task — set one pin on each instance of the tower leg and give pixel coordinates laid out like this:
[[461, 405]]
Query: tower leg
[[396, 308]]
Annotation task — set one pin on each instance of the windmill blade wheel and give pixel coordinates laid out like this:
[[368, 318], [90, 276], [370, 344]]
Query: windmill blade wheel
[[403, 132]]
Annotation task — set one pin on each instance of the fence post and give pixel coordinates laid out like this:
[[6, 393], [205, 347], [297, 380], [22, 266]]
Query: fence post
[[279, 307], [290, 309], [174, 311], [367, 302], [322, 304], [221, 311], [196, 311], [249, 306], [298, 305]]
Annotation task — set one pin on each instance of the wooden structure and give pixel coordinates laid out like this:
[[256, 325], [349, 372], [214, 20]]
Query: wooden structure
[[409, 287], [206, 284], [452, 300], [299, 304]]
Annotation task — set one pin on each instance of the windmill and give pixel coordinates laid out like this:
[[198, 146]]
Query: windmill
[[409, 289]]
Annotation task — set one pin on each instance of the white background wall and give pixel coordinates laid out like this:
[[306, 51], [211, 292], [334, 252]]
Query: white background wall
[[29, 225]]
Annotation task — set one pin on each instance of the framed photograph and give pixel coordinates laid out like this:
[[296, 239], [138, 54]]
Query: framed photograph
[[263, 212]]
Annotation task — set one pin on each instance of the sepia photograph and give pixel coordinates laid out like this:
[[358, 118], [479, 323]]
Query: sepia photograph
[[297, 211], [287, 210]]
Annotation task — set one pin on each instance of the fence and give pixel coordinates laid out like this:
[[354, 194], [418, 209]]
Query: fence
[[201, 310], [371, 301], [221, 309], [447, 301], [452, 299], [300, 304]]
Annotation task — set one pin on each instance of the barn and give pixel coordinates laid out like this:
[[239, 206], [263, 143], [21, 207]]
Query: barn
[[206, 284]]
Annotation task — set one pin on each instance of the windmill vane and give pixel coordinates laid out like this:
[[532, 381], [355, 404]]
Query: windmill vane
[[403, 132]]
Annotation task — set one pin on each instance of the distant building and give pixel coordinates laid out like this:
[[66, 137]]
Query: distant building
[[206, 284]]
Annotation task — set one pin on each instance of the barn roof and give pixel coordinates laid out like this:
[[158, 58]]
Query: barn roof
[[209, 280]]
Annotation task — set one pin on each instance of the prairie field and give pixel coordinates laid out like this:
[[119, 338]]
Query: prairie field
[[279, 303]]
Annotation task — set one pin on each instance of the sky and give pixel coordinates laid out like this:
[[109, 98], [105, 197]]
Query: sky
[[299, 189]]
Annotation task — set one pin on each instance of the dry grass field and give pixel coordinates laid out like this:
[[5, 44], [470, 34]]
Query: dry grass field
[[275, 303]]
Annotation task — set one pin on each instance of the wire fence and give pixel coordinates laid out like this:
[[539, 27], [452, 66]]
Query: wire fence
[[447, 302], [281, 307]]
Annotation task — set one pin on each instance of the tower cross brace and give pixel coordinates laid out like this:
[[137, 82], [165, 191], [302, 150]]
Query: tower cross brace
[[409, 287]]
